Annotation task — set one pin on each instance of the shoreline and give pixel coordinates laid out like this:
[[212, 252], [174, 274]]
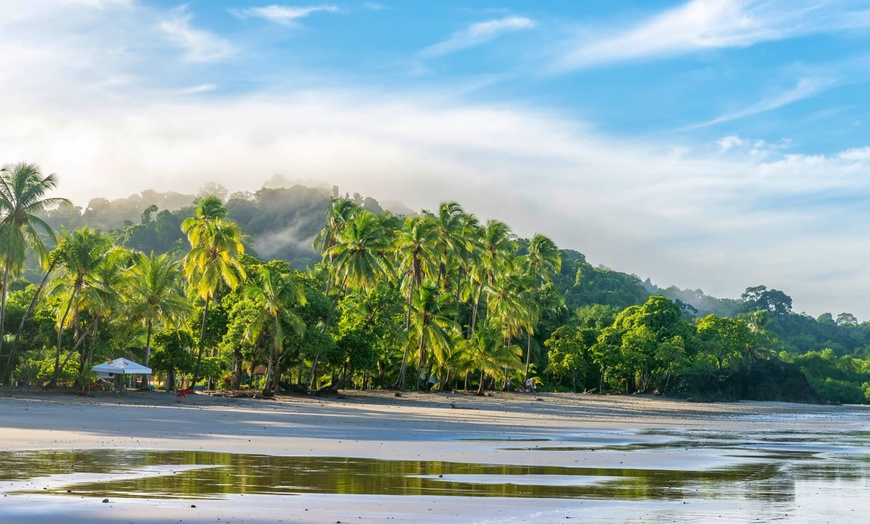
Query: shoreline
[[504, 428]]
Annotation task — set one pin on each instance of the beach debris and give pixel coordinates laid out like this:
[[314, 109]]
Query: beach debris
[[105, 501]]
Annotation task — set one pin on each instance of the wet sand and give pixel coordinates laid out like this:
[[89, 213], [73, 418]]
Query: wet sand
[[413, 426]]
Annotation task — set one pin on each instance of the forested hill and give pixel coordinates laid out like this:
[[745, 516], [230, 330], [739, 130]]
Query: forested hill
[[279, 222]]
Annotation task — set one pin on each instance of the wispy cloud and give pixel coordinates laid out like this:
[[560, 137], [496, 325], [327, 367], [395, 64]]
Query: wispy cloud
[[284, 15], [478, 34], [805, 88], [200, 46], [711, 24], [195, 90]]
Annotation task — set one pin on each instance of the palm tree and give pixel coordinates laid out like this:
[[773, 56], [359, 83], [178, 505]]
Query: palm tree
[[360, 253], [155, 293], [495, 257], [487, 352], [415, 260], [339, 212], [213, 259], [22, 188], [432, 323], [359, 257], [275, 293], [80, 254], [451, 244], [543, 258]]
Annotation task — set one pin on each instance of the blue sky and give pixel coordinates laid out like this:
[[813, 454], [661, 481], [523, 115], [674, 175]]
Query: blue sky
[[712, 144]]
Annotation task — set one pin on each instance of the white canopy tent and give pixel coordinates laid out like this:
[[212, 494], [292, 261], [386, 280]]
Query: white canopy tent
[[121, 366], [118, 369]]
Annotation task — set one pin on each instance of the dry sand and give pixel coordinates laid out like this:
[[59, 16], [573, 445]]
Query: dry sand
[[413, 426]]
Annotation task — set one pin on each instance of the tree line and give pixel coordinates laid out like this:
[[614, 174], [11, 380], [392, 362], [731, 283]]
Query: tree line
[[433, 300]]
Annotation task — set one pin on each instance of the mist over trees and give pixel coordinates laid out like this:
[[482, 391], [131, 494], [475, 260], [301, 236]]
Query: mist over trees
[[300, 287]]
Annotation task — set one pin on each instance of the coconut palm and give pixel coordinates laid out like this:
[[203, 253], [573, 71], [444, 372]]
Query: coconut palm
[[487, 352], [275, 293], [80, 254], [359, 257], [213, 259], [450, 225], [432, 323], [543, 258], [22, 191], [360, 252], [338, 213], [155, 293], [495, 257]]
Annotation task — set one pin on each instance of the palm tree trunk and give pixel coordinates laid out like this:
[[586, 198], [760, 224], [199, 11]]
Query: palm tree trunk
[[201, 343], [528, 354], [59, 335], [421, 349], [147, 353], [3, 293], [482, 386], [10, 362]]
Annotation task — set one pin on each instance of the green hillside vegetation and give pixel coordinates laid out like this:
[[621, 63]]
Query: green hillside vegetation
[[302, 288]]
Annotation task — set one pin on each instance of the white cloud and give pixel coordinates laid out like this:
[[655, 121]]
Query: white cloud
[[805, 88], [200, 46], [285, 15], [478, 34], [711, 24], [195, 90], [719, 223]]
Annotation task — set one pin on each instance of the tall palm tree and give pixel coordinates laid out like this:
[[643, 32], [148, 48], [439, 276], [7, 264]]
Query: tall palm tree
[[22, 192], [360, 253], [496, 255], [359, 257], [415, 259], [155, 293], [215, 249], [543, 258], [338, 213], [450, 225], [80, 254], [275, 293]]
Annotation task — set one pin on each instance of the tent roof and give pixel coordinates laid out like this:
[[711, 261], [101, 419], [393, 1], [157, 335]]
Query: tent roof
[[122, 366]]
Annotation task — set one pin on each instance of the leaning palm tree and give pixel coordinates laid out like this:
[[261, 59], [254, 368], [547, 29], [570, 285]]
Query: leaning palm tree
[[215, 249], [22, 191], [275, 294], [155, 293]]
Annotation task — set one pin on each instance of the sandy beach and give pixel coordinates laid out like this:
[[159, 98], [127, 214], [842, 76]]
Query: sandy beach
[[608, 432]]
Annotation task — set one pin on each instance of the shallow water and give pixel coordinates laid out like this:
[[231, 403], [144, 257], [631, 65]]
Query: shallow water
[[818, 475]]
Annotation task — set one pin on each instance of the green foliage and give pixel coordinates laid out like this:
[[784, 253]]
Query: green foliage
[[441, 294], [835, 379], [586, 285], [173, 352]]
